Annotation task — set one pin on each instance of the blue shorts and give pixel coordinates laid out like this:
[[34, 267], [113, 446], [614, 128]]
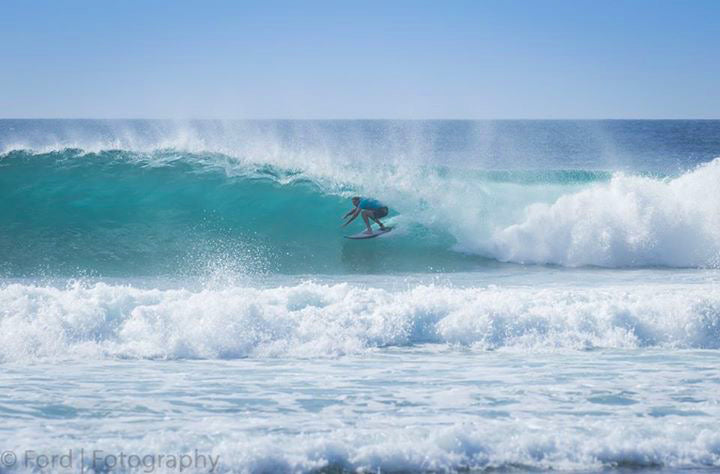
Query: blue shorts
[[380, 212]]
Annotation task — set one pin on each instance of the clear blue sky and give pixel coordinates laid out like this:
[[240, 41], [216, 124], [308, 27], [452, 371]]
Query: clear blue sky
[[360, 59]]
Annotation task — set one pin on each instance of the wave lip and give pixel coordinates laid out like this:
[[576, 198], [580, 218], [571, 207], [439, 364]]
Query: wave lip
[[314, 320]]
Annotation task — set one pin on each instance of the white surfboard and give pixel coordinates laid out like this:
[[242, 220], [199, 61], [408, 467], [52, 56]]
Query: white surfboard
[[365, 235]]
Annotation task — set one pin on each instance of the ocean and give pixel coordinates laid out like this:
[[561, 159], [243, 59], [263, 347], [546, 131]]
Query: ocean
[[177, 296]]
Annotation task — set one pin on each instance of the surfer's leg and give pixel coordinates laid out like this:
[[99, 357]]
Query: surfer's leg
[[365, 215], [382, 226], [377, 214]]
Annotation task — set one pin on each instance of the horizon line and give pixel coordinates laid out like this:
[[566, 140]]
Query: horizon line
[[449, 119]]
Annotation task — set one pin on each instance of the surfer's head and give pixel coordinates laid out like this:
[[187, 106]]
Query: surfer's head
[[356, 200]]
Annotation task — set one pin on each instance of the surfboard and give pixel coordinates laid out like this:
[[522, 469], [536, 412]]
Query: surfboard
[[363, 235]]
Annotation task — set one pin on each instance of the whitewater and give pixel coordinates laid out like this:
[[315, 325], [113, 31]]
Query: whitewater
[[549, 299]]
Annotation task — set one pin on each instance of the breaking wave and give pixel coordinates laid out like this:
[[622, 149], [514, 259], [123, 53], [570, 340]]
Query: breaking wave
[[316, 320], [119, 213]]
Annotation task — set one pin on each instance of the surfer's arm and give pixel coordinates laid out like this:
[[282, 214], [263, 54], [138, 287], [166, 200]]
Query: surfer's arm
[[355, 212]]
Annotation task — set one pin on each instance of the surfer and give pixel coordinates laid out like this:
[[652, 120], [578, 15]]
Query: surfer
[[370, 209]]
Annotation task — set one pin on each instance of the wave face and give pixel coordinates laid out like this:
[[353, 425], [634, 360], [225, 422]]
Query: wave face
[[316, 320], [273, 205]]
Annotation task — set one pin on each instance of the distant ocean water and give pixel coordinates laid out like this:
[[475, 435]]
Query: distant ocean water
[[549, 299]]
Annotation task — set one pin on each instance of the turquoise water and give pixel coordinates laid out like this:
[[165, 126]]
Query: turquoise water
[[548, 300], [120, 213]]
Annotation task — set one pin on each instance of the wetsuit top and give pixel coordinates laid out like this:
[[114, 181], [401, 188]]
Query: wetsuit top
[[370, 204]]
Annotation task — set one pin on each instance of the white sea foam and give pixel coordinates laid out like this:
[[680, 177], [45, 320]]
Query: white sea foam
[[401, 446], [481, 446], [309, 319], [630, 221]]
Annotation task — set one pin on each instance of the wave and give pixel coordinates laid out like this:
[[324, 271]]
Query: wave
[[527, 444], [315, 320], [120, 213]]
